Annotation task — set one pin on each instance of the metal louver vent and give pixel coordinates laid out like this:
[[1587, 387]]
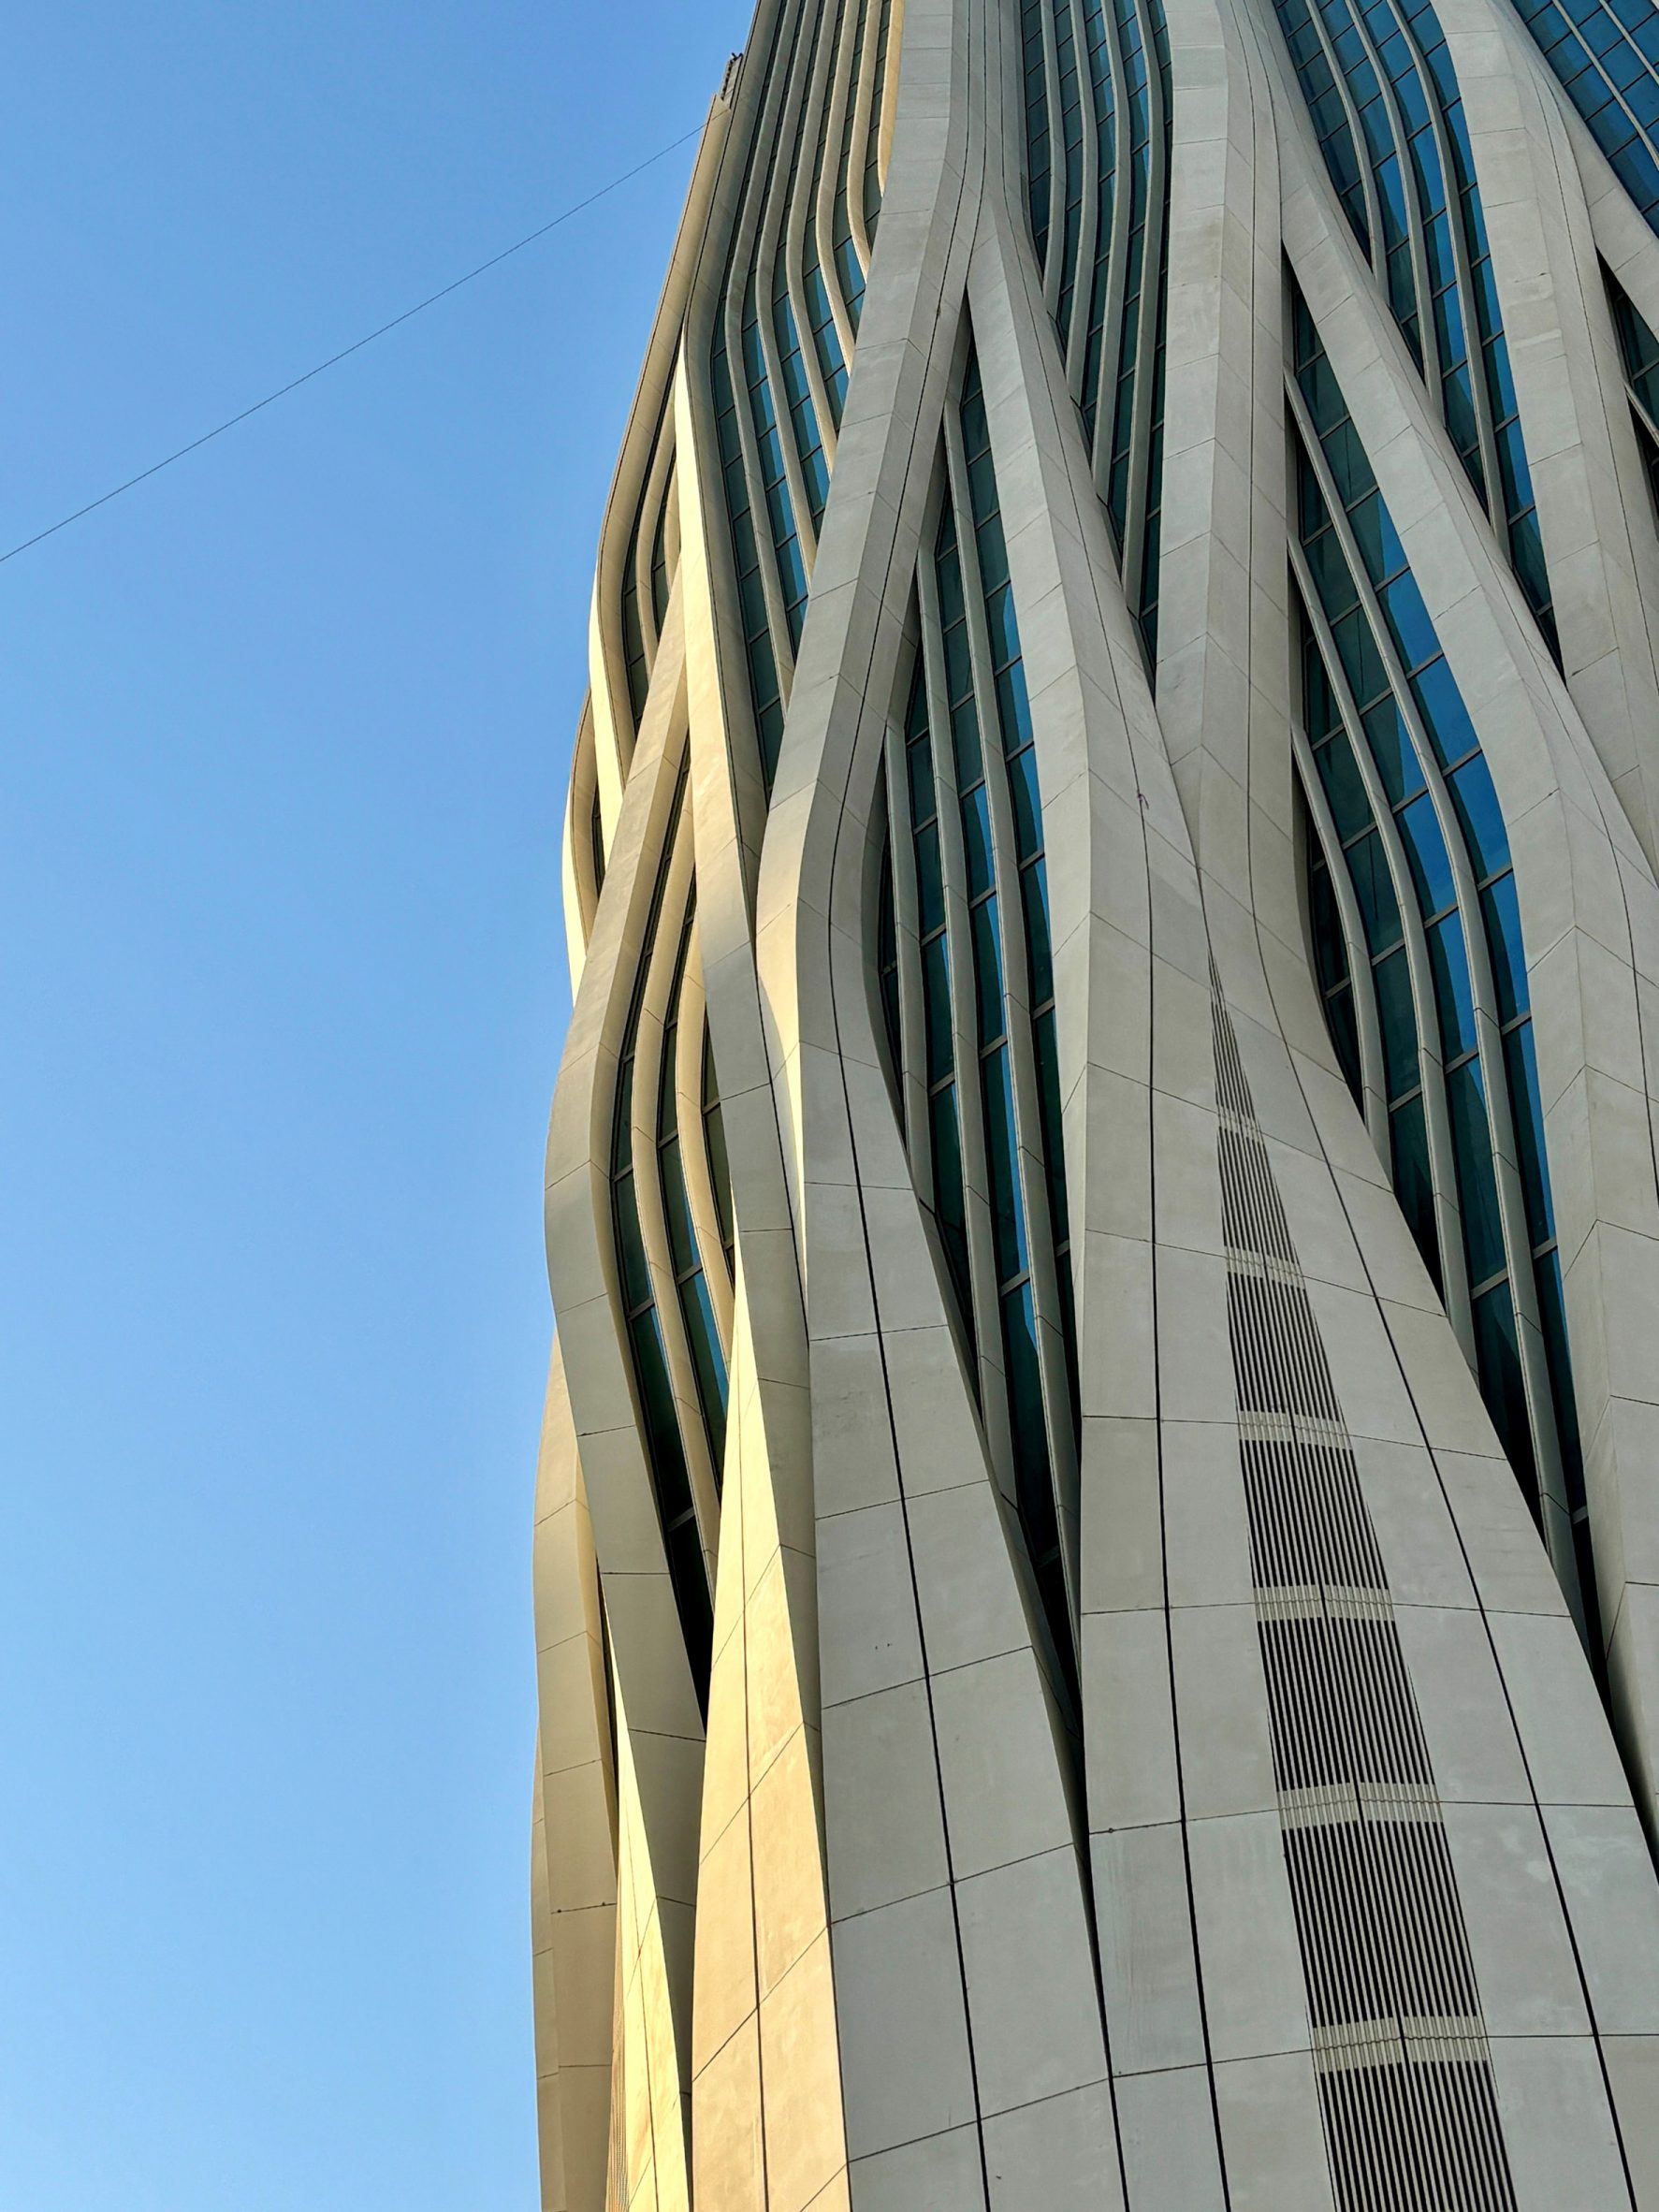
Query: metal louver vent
[[1400, 2049]]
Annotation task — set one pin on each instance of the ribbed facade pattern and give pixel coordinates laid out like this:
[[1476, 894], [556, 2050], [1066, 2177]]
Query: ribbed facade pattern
[[1399, 2050], [1097, 1549]]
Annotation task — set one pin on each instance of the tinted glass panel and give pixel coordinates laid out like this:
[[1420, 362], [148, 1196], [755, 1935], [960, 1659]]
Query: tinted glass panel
[[1014, 706], [1413, 1184], [976, 840], [1007, 1216], [1039, 959], [1453, 996], [673, 1487], [919, 766], [947, 1187], [1425, 849], [1027, 810], [1497, 1353], [1024, 1404], [1552, 1314], [1441, 704], [1476, 803], [1392, 750], [1338, 772], [1046, 1054], [1397, 1022], [683, 1241], [1345, 1035], [1408, 619], [987, 972], [1379, 547], [1520, 1056], [636, 1279], [935, 999], [1502, 911], [930, 887], [1329, 953], [1478, 1190], [1369, 866], [1319, 701], [688, 1573], [1368, 678], [704, 1337]]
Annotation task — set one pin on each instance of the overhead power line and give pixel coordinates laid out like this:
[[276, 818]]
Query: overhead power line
[[356, 346]]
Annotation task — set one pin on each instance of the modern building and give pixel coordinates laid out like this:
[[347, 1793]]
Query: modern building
[[1098, 1540]]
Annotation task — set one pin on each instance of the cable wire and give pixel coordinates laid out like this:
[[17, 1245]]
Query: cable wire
[[356, 346]]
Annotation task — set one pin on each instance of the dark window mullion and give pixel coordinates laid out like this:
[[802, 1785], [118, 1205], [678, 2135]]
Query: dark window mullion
[[1035, 1317], [704, 1349], [1110, 94], [664, 975], [1489, 1170], [1503, 1152], [1143, 499], [1016, 1017], [953, 1101], [827, 332], [660, 1427], [772, 309], [849, 261], [1420, 968], [769, 640]]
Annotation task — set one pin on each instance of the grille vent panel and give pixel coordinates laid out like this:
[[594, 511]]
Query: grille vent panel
[[1399, 2050]]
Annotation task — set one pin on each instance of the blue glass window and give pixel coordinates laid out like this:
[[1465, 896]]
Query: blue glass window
[[1520, 1056], [714, 1140], [887, 970], [1037, 136], [1372, 886], [1397, 1017], [1007, 895], [848, 267], [1350, 810], [1430, 839], [1390, 746], [665, 1456], [1503, 1384], [1468, 331], [1478, 1189], [701, 1333], [1605, 57], [938, 1037], [872, 165], [1483, 818], [1414, 1183], [1123, 110], [1453, 993], [1329, 953], [1502, 915], [1425, 851], [1444, 717]]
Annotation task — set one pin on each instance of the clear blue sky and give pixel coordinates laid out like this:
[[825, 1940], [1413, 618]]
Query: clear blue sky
[[282, 991]]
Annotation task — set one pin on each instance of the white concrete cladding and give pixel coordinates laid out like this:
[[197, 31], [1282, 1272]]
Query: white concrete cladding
[[1097, 1537]]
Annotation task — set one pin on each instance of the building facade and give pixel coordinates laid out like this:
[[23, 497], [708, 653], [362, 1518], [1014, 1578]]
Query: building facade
[[1097, 1546]]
